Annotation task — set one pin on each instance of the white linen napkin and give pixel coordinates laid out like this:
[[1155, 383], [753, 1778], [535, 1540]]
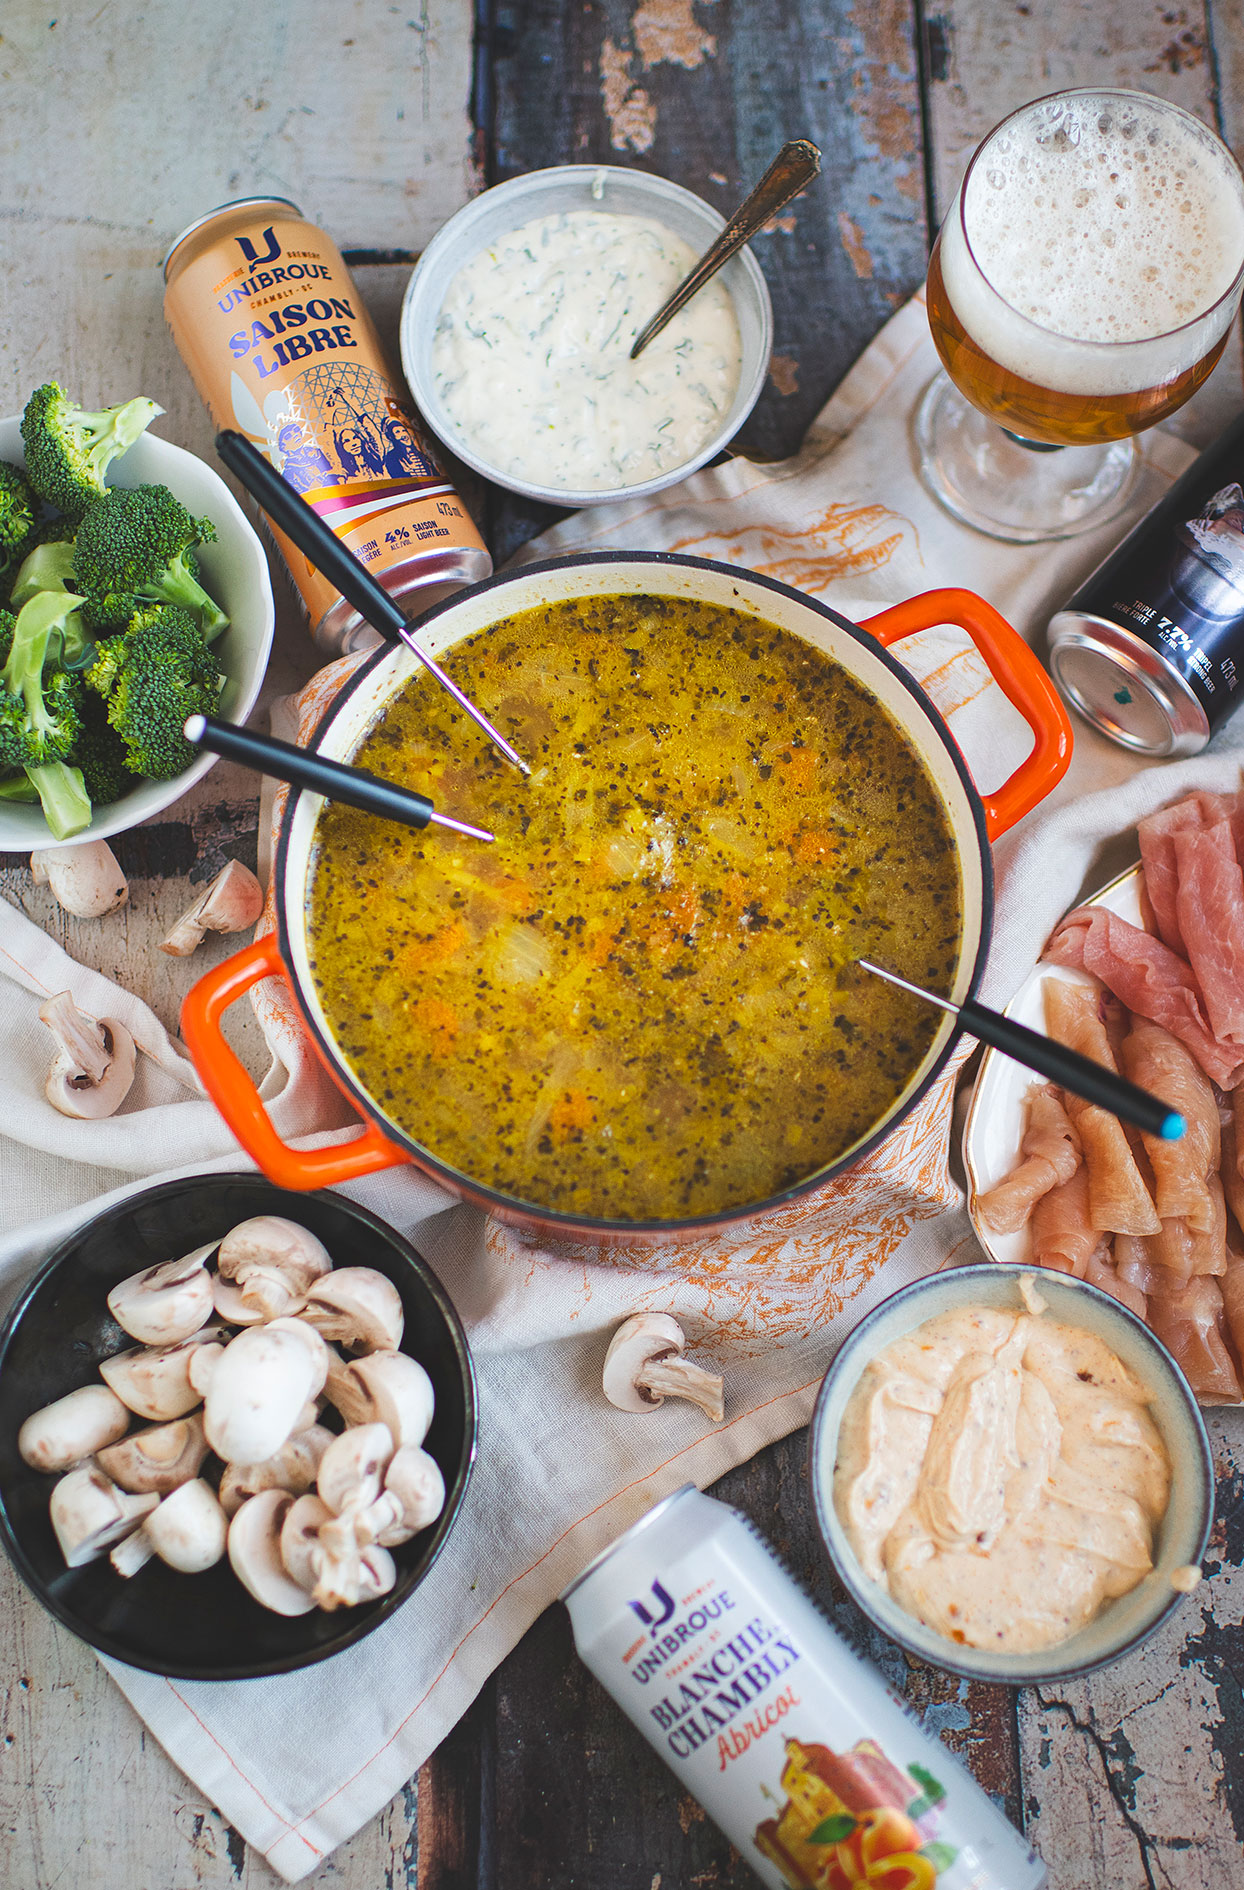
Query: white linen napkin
[[848, 521]]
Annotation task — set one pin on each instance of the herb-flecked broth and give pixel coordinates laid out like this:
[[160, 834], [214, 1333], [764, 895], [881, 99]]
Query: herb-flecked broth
[[638, 1003]]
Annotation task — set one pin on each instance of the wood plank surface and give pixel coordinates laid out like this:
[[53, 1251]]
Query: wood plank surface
[[1129, 1780]]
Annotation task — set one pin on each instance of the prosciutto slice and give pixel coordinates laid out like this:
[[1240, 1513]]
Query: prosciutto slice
[[1189, 1321], [1157, 851], [1210, 908], [1051, 1149], [1158, 1062], [1148, 977], [1119, 1201]]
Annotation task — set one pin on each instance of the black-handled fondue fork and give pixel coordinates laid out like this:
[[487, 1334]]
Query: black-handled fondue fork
[[1065, 1067], [319, 543], [333, 779]]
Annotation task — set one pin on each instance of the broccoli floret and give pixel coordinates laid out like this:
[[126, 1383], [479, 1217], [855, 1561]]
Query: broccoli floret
[[39, 717], [69, 451], [161, 671], [137, 541], [100, 753], [17, 515], [108, 614], [49, 567]]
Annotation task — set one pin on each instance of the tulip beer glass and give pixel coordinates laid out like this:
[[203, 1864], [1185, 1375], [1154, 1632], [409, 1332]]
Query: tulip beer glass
[[1081, 289]]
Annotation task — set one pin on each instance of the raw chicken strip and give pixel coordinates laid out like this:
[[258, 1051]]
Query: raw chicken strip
[[1232, 1286], [1062, 1235], [1188, 1320], [1100, 1272], [1161, 1064], [1210, 905], [1157, 851], [1119, 1201], [1232, 1180], [1148, 977], [1182, 1251], [1134, 1263], [1052, 1149]]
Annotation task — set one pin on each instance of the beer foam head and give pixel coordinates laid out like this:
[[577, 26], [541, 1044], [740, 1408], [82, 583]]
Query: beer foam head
[[1096, 219]]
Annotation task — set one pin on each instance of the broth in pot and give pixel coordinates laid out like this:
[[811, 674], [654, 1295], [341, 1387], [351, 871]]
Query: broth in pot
[[640, 1003]]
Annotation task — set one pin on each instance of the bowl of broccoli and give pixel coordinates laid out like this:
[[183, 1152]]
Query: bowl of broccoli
[[133, 592]]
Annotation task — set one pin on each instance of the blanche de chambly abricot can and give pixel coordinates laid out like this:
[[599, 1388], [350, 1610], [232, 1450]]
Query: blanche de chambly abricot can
[[814, 1770]]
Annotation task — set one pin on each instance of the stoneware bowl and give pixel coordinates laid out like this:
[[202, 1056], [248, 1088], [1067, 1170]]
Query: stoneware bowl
[[1123, 1623], [618, 192], [205, 1627], [234, 569]]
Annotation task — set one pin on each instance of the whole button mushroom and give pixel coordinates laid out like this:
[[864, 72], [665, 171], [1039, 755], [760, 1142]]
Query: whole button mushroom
[[413, 1497], [71, 1428], [273, 1261], [355, 1307], [233, 901], [160, 1459], [384, 1388], [256, 1393], [352, 1468], [85, 880], [644, 1365], [321, 1357], [154, 1381], [89, 1514], [255, 1553], [163, 1304]]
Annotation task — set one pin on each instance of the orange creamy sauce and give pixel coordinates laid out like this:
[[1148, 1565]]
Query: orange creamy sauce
[[638, 1004]]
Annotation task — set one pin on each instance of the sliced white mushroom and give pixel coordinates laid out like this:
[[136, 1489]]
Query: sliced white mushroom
[[299, 1532], [255, 1553], [204, 1363], [154, 1381], [257, 1392], [321, 1357], [85, 880], [71, 1428], [413, 1497], [352, 1468], [342, 1581], [163, 1304], [93, 1068], [273, 1261], [132, 1553], [293, 1468], [160, 1459], [189, 1529], [644, 1365], [356, 1307], [384, 1388], [229, 1304], [89, 1514], [233, 901]]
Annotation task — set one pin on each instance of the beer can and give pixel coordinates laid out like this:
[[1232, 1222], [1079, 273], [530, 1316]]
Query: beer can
[[813, 1768], [1151, 649], [269, 322]]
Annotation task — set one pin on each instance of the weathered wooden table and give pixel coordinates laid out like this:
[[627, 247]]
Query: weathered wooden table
[[118, 124]]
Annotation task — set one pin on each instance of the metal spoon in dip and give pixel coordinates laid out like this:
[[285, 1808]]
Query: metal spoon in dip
[[791, 171]]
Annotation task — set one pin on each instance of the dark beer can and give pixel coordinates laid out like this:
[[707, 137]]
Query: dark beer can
[[1151, 649]]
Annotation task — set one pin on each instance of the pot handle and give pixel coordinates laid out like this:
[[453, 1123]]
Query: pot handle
[[235, 1095], [1020, 676]]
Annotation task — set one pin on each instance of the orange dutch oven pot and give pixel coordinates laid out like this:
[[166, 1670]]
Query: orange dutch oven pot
[[862, 649]]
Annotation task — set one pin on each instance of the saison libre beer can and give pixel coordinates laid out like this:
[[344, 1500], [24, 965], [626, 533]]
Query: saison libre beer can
[[1151, 649], [269, 322], [814, 1770]]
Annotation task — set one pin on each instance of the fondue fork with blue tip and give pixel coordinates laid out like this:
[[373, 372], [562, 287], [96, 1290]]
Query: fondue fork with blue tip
[[333, 779], [1065, 1067], [319, 543]]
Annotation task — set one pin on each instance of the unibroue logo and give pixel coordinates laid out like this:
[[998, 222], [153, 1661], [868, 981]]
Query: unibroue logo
[[252, 255], [663, 1599]]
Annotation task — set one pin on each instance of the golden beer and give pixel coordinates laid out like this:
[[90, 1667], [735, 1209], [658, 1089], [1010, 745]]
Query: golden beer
[[1084, 283]]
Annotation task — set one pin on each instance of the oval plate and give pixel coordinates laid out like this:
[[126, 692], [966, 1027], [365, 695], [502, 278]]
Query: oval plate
[[995, 1122]]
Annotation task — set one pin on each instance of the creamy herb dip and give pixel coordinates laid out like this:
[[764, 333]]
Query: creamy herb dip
[[530, 358], [999, 1476]]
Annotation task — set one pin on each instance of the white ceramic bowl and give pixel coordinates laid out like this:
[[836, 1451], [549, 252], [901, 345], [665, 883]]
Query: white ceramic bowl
[[598, 187], [1123, 1623], [234, 569]]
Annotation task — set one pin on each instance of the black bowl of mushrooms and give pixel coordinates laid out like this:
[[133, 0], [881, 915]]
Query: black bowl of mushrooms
[[236, 1426]]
